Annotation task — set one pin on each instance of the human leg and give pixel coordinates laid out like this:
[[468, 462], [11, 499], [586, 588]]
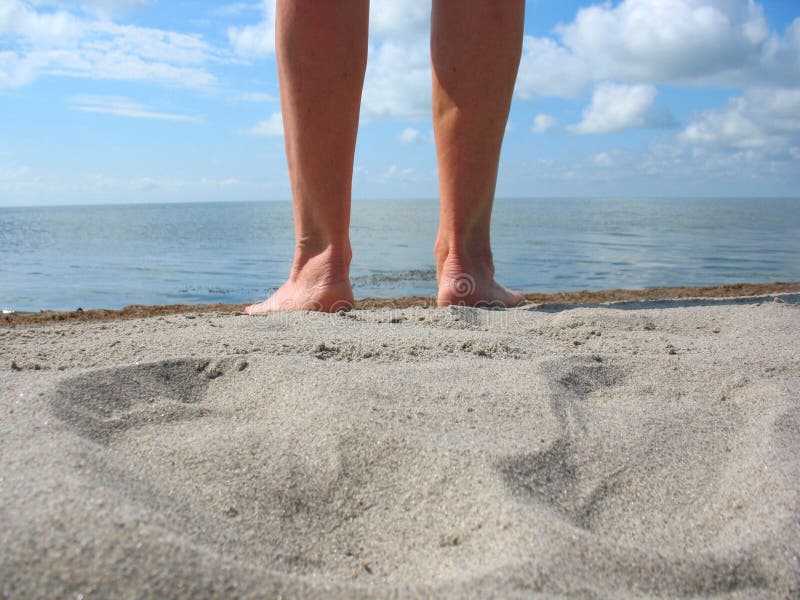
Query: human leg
[[321, 51], [475, 53]]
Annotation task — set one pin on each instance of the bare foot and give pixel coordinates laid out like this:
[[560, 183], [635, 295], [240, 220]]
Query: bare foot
[[320, 283], [470, 282]]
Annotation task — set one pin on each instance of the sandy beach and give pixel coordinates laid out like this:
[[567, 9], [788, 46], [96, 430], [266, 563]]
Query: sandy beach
[[633, 449]]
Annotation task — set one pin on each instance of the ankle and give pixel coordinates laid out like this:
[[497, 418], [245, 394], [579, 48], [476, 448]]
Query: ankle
[[464, 257], [327, 263], [336, 251]]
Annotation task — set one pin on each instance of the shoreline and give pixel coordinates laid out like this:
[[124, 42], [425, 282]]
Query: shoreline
[[577, 297]]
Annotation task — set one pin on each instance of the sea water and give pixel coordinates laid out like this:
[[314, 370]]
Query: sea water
[[111, 256]]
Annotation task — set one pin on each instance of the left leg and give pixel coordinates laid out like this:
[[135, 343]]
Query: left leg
[[475, 52], [321, 51]]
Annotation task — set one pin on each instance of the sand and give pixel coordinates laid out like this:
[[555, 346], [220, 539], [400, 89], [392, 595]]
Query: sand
[[638, 449]]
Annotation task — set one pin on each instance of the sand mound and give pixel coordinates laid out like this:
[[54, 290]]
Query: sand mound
[[457, 454]]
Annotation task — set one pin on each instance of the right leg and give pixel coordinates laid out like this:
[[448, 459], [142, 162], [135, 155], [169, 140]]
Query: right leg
[[475, 52], [321, 51]]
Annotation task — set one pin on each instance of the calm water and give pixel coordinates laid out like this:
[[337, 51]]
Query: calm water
[[111, 256]]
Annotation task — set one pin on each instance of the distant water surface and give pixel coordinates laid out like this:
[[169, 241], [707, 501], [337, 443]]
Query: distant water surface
[[111, 256]]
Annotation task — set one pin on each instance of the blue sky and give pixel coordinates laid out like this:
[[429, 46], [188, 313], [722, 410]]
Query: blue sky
[[115, 101]]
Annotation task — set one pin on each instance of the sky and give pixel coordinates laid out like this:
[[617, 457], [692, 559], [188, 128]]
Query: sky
[[119, 101]]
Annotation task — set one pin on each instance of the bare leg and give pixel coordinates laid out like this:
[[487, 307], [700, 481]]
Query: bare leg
[[475, 51], [321, 50]]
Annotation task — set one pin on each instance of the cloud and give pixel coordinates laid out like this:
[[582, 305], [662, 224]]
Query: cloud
[[398, 79], [666, 40], [18, 20], [258, 40], [392, 17], [272, 127], [780, 57], [93, 64], [110, 4], [101, 7], [641, 44], [14, 170], [123, 107], [61, 43], [152, 44], [256, 97], [690, 42], [16, 70], [764, 118], [411, 136], [549, 69], [235, 9], [395, 173], [616, 107], [603, 159], [543, 123]]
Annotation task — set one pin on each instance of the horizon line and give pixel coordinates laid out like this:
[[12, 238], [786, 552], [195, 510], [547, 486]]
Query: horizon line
[[404, 199]]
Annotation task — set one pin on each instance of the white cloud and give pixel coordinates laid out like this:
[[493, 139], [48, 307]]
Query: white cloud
[[394, 17], [696, 42], [543, 123], [549, 69], [395, 173], [235, 9], [411, 136], [14, 170], [640, 44], [151, 44], [666, 40], [123, 107], [18, 20], [108, 4], [101, 7], [765, 118], [398, 80], [122, 66], [616, 107], [61, 43], [779, 63], [257, 97], [258, 40], [16, 70], [603, 159], [272, 127]]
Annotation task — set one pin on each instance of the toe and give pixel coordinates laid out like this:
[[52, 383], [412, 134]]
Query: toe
[[255, 309], [517, 299]]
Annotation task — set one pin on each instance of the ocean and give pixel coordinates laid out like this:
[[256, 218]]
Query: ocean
[[62, 258]]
